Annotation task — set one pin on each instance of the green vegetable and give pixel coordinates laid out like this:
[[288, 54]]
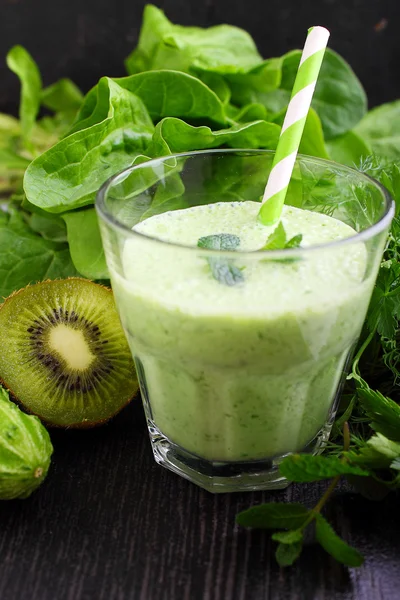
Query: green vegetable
[[25, 451], [380, 128], [23, 65], [26, 257]]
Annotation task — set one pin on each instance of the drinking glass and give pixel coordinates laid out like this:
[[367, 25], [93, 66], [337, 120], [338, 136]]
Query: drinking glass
[[236, 377]]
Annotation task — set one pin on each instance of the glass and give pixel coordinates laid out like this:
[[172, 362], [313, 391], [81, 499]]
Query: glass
[[236, 378]]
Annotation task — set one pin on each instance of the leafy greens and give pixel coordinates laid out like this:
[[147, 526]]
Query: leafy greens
[[190, 88]]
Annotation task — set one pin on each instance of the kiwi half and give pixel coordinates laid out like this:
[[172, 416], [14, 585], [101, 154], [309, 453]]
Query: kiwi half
[[63, 353]]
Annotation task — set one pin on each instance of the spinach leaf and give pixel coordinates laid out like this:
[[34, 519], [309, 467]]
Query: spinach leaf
[[85, 243], [348, 149], [381, 129], [62, 96], [339, 97], [23, 65], [27, 258], [175, 135], [219, 49], [69, 174]]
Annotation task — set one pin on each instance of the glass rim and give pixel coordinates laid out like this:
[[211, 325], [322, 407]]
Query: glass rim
[[362, 236]]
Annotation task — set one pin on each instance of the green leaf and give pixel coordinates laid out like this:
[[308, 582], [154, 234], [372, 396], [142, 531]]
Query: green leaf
[[288, 537], [70, 173], [174, 135], [23, 65], [27, 258], [175, 94], [163, 45], [348, 148], [219, 241], [335, 546], [62, 96], [49, 226], [339, 97], [380, 128], [222, 269], [383, 412], [274, 515], [277, 239], [295, 241], [286, 554], [395, 464], [85, 243], [305, 467]]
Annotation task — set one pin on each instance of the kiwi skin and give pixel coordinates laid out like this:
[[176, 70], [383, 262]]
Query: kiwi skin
[[123, 389]]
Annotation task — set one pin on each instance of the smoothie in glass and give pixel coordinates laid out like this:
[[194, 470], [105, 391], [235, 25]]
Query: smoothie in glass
[[240, 343], [249, 370]]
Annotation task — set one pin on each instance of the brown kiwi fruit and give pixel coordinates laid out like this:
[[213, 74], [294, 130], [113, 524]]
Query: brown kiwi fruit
[[63, 353]]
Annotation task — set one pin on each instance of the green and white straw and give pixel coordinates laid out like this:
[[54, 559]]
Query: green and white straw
[[293, 125]]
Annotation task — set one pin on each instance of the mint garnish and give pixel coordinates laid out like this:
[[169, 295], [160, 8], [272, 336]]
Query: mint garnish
[[278, 240], [223, 270]]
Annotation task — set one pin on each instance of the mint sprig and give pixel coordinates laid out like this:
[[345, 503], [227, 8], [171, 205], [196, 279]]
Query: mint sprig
[[278, 239], [294, 518], [223, 270]]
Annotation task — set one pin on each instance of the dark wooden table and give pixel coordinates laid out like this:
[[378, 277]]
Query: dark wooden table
[[109, 524]]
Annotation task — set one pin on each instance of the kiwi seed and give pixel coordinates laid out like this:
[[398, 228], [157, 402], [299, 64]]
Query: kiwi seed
[[64, 355]]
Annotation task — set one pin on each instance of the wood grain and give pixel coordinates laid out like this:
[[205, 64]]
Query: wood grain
[[110, 524]]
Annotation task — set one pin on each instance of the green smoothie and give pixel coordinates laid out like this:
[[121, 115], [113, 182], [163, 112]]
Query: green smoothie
[[246, 371]]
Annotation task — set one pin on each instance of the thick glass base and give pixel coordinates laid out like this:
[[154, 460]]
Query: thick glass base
[[222, 477]]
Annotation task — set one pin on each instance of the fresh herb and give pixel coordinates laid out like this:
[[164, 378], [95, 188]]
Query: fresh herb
[[295, 518], [223, 270], [278, 239]]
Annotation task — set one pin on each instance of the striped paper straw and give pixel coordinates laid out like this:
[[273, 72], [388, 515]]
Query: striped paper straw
[[293, 125]]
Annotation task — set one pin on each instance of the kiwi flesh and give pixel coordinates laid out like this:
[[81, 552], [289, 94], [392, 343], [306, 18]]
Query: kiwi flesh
[[63, 353]]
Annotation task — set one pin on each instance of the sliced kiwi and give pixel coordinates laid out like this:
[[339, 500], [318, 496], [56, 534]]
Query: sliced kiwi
[[63, 353]]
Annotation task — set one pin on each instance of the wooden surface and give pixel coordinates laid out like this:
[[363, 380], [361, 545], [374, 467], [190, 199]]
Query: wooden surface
[[110, 524]]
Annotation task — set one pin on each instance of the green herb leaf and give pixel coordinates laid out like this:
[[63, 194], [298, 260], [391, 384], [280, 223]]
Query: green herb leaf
[[23, 65], [222, 269], [305, 467], [288, 537], [295, 241], [286, 554], [274, 515], [278, 239], [335, 546], [383, 412], [219, 241]]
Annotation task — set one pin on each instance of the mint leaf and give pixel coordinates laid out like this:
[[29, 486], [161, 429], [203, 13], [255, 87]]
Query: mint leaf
[[277, 239], [273, 515], [288, 537], [396, 464], [286, 554], [295, 241], [305, 467], [334, 545], [222, 269], [219, 241]]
